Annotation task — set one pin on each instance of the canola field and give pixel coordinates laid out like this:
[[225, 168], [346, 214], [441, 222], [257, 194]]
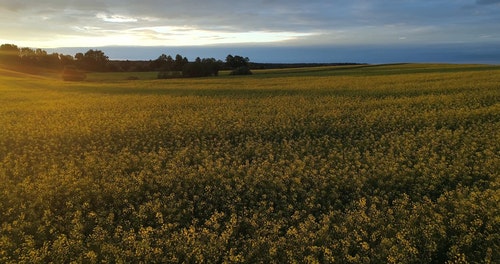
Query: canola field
[[358, 164]]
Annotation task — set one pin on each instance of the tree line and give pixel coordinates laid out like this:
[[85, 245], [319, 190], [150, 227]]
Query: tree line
[[95, 60]]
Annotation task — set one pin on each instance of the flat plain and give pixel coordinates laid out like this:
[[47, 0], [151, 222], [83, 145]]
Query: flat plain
[[346, 164]]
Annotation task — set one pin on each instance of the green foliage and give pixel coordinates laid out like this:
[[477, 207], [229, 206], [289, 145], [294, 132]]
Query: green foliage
[[326, 165]]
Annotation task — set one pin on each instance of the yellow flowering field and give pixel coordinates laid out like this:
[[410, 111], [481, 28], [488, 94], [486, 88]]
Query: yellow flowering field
[[358, 164]]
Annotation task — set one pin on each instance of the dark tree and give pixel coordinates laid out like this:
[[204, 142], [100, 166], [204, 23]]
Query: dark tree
[[93, 60], [201, 68], [158, 63], [234, 62], [212, 65], [27, 56], [79, 56], [52, 61], [169, 63], [193, 69], [66, 60], [238, 64], [9, 54], [163, 63], [179, 62]]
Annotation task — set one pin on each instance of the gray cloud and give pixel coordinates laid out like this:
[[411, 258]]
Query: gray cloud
[[322, 21]]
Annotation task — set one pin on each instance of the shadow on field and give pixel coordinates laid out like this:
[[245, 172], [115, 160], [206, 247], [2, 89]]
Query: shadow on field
[[267, 93], [377, 70], [207, 92]]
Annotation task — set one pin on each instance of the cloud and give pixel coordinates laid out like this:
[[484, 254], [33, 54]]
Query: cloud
[[116, 18], [292, 22]]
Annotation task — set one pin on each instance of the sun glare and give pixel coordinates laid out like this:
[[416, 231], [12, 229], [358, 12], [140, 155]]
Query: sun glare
[[193, 36], [155, 36]]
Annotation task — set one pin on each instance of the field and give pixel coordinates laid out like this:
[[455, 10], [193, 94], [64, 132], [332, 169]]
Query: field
[[352, 164]]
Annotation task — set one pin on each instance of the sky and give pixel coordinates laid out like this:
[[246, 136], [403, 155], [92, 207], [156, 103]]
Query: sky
[[282, 30]]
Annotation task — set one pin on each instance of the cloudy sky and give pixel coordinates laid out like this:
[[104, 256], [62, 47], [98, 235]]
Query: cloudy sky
[[271, 23]]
